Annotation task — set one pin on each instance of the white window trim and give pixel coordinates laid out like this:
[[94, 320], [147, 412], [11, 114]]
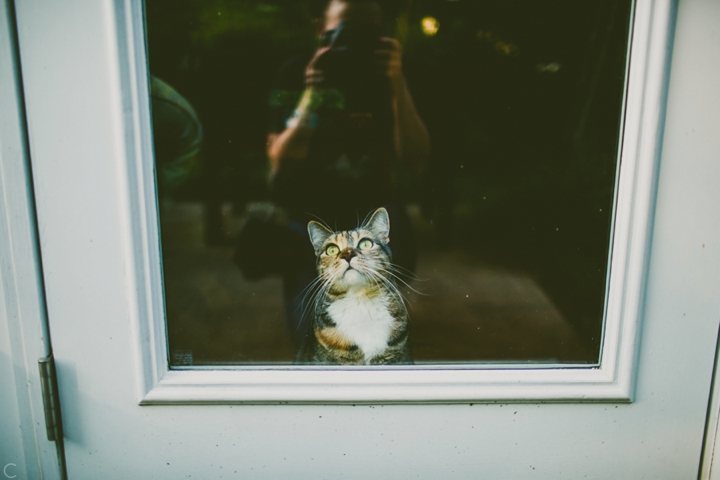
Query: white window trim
[[611, 380]]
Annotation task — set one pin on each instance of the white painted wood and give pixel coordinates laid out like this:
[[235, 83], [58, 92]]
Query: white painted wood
[[703, 120], [25, 451], [611, 380], [78, 116]]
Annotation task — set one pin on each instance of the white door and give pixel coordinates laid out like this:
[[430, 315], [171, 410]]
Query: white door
[[640, 413]]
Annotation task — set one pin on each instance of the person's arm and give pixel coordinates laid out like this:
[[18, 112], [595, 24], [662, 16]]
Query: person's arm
[[412, 142], [293, 143]]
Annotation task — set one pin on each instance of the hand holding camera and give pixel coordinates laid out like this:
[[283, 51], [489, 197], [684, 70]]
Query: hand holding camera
[[314, 72], [354, 58]]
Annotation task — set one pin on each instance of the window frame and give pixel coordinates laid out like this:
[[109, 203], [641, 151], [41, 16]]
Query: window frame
[[611, 380]]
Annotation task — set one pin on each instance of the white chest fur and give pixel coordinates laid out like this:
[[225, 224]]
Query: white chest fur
[[365, 322]]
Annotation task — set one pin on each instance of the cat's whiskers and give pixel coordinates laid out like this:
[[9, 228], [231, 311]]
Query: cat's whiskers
[[330, 278], [320, 298], [320, 287], [395, 276], [313, 290], [390, 285], [394, 272], [305, 291], [404, 272]]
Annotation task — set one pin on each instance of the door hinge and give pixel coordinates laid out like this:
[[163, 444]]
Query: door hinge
[[51, 400]]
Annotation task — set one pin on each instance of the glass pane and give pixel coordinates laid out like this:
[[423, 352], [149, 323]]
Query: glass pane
[[316, 160]]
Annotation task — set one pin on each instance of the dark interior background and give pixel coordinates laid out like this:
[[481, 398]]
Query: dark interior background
[[523, 103]]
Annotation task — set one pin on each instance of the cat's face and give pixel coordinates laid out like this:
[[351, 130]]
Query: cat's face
[[354, 258]]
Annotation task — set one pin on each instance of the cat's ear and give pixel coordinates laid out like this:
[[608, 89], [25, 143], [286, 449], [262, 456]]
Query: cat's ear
[[318, 234], [379, 225]]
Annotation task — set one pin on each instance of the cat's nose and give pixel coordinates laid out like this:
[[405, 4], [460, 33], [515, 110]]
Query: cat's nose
[[347, 254]]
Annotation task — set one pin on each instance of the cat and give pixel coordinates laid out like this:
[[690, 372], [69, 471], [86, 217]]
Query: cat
[[358, 316]]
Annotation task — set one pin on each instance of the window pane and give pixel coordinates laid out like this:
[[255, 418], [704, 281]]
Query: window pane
[[488, 132]]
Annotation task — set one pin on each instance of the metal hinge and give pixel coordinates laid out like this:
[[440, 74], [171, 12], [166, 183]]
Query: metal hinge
[[51, 400]]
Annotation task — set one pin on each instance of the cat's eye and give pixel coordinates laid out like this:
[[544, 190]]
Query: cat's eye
[[332, 250], [365, 244]]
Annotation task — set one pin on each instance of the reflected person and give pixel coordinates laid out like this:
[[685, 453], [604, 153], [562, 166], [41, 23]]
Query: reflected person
[[336, 151]]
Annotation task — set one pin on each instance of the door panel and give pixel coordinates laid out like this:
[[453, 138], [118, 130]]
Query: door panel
[[77, 109], [25, 451]]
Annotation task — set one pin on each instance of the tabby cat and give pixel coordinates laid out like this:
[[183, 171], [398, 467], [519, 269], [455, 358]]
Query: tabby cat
[[358, 315]]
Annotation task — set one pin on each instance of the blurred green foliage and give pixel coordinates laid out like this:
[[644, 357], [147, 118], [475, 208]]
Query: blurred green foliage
[[263, 21]]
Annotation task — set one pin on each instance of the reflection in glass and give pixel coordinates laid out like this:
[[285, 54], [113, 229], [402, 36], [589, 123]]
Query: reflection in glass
[[493, 146]]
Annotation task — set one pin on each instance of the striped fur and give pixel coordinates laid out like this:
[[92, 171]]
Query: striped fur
[[357, 312]]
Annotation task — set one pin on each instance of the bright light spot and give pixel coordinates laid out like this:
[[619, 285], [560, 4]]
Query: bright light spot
[[551, 67], [430, 25], [506, 48]]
